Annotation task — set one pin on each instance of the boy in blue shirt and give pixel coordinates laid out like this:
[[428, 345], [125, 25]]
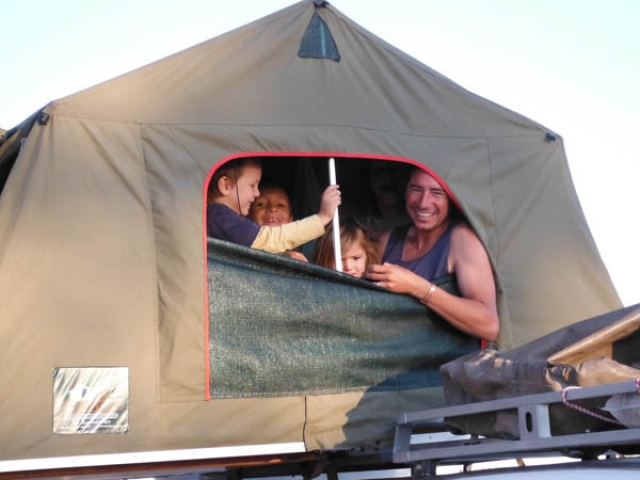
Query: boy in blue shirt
[[234, 187]]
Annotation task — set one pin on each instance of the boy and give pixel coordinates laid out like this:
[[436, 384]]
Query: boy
[[234, 187], [273, 208]]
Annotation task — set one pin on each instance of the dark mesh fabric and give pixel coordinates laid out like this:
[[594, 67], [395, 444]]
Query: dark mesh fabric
[[280, 327], [318, 42]]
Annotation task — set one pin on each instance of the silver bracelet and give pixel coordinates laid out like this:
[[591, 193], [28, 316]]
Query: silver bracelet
[[427, 296]]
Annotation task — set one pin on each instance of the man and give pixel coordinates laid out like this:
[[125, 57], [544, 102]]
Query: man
[[434, 245]]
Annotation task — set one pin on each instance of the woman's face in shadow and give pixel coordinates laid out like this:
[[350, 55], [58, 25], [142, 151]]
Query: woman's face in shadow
[[386, 184]]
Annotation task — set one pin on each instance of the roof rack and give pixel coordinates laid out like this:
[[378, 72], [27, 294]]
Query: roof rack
[[533, 424]]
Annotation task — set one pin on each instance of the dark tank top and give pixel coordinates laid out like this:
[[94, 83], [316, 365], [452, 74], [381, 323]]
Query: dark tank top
[[432, 265]]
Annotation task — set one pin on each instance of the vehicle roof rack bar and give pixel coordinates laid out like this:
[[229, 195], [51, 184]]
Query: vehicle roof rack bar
[[535, 432]]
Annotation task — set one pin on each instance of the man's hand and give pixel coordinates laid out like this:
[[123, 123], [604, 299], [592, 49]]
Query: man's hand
[[394, 278]]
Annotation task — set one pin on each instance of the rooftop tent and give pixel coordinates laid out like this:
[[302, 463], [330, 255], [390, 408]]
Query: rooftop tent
[[103, 255]]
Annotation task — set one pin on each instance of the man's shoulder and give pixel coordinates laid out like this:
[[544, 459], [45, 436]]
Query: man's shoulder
[[462, 227], [463, 234], [465, 243]]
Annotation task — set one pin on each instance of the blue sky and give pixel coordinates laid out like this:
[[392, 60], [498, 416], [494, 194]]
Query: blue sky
[[573, 66]]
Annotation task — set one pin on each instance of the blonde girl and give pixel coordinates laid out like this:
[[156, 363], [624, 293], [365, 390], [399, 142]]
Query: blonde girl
[[358, 249]]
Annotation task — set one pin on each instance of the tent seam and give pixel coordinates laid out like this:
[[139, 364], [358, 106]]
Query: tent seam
[[175, 136], [493, 198], [498, 275], [305, 125], [154, 254]]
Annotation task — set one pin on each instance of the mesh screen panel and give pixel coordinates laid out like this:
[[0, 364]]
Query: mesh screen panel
[[281, 327]]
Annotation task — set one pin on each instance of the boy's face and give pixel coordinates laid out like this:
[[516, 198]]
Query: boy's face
[[245, 190], [271, 208]]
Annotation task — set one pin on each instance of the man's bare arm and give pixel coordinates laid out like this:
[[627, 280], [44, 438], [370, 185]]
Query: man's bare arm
[[475, 312]]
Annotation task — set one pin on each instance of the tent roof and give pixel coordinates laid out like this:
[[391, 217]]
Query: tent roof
[[273, 86]]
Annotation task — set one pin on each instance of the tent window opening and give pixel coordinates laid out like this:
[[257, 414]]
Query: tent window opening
[[372, 191], [278, 326]]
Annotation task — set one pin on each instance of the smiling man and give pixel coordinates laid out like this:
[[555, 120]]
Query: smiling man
[[434, 245]]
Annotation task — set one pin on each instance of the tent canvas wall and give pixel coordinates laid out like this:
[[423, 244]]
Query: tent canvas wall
[[102, 240]]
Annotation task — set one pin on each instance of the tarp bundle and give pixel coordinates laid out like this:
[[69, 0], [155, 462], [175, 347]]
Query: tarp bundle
[[597, 351], [103, 248]]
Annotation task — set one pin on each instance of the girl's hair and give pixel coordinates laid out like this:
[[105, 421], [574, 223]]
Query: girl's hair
[[351, 233]]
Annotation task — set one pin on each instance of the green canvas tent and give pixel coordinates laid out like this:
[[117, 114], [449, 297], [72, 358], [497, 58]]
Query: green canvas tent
[[103, 251]]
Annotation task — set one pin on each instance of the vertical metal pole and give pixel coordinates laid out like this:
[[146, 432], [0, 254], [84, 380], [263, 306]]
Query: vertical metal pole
[[337, 248]]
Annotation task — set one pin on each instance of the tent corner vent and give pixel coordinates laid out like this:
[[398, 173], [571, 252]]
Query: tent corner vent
[[318, 42], [43, 118]]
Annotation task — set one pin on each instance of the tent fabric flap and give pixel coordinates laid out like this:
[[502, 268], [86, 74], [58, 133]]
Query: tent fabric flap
[[281, 327]]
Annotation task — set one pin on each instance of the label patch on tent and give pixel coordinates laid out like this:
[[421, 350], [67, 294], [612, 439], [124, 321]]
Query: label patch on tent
[[91, 400]]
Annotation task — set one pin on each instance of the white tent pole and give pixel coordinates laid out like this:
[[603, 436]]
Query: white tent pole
[[337, 249]]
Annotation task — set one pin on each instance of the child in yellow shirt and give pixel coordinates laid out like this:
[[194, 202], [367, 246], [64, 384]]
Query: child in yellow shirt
[[234, 187]]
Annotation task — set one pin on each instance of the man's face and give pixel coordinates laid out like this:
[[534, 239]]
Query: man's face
[[246, 188], [427, 202], [271, 208]]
